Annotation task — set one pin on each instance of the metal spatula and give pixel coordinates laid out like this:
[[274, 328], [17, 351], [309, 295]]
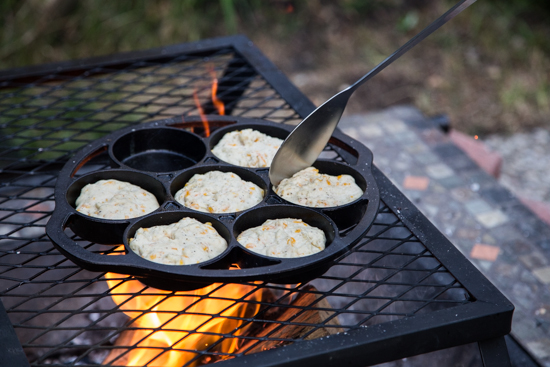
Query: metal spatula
[[304, 144]]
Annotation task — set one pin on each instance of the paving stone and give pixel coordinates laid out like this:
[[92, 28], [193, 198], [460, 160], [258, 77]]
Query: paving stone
[[534, 260], [513, 237], [354, 133], [492, 218], [416, 149], [497, 195], [545, 244], [511, 271], [467, 233], [472, 209], [401, 166], [429, 210], [448, 152], [543, 324], [426, 158], [370, 130], [484, 265], [380, 161], [521, 294], [527, 278], [477, 206], [433, 137], [452, 182], [479, 177], [464, 246], [543, 274], [462, 163], [437, 188], [394, 126], [544, 299], [439, 171], [462, 194], [405, 138], [525, 328], [541, 348], [488, 239]]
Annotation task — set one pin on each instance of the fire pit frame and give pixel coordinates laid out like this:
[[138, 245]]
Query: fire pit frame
[[486, 320]]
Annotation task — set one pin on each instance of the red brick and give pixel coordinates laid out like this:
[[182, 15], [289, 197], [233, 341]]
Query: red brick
[[419, 183], [541, 209], [490, 162], [484, 252]]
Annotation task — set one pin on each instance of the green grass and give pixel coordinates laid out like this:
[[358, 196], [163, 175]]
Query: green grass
[[493, 57]]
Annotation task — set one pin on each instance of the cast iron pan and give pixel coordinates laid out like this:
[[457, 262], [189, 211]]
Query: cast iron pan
[[161, 157]]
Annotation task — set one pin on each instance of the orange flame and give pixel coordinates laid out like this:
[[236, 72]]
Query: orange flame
[[168, 328], [201, 114], [216, 102]]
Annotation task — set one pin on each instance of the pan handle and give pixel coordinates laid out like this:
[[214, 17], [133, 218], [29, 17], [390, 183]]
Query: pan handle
[[55, 229]]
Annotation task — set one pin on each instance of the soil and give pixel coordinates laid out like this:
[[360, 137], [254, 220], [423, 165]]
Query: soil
[[484, 85]]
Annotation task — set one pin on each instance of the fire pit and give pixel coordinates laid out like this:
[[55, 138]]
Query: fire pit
[[401, 290]]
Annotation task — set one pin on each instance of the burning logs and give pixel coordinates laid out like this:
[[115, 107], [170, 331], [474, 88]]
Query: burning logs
[[296, 321], [173, 328]]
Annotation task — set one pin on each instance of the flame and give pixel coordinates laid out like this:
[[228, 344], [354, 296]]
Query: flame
[[216, 102], [201, 114], [167, 328]]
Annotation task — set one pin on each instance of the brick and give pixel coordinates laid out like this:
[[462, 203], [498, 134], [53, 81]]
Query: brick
[[490, 162], [419, 183], [484, 252], [541, 209]]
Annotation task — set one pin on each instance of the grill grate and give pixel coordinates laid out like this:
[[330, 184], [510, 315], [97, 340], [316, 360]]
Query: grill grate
[[60, 310], [64, 315], [55, 115]]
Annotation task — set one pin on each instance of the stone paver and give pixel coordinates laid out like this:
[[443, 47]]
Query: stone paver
[[487, 223], [484, 252], [543, 274], [416, 183]]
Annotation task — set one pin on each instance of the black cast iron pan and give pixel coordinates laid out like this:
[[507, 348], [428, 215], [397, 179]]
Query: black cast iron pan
[[161, 157]]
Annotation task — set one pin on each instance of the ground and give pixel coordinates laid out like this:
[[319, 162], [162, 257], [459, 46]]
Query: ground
[[488, 69]]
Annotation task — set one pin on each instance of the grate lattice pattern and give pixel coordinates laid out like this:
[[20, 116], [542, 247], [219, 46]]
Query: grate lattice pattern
[[64, 315]]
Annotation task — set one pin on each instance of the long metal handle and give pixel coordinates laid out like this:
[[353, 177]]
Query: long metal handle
[[436, 24]]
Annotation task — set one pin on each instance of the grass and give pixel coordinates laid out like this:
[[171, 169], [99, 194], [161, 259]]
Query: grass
[[488, 69]]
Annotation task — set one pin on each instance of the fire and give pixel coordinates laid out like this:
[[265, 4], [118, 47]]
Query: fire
[[167, 328], [216, 102], [201, 114]]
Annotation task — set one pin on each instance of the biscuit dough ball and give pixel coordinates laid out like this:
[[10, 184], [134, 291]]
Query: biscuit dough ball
[[286, 238], [113, 199], [185, 242], [311, 188], [247, 148], [219, 192]]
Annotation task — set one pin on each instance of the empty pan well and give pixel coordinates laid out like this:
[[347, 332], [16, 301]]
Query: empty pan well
[[159, 149]]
